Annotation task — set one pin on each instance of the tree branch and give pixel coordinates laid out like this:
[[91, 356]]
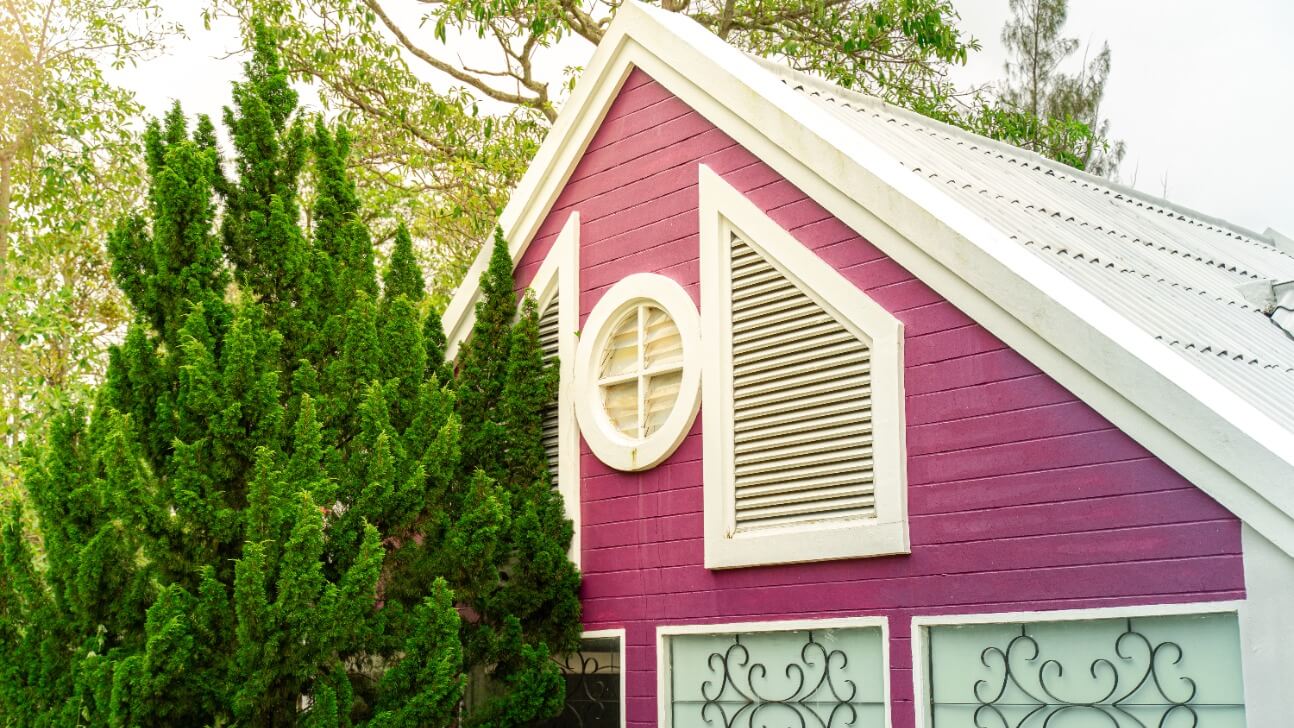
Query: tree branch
[[449, 69]]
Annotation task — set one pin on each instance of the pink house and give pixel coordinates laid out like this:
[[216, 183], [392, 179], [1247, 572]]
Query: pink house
[[868, 421]]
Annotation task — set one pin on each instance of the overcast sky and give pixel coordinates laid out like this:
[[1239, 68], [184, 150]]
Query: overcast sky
[[1202, 94]]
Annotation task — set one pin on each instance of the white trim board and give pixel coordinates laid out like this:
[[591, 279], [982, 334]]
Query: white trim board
[[559, 273], [618, 633], [1266, 634], [920, 637], [663, 632], [1190, 421]]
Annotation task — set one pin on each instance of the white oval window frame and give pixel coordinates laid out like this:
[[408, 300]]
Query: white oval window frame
[[604, 439]]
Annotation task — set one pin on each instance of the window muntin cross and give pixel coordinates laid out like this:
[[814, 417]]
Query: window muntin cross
[[640, 370]]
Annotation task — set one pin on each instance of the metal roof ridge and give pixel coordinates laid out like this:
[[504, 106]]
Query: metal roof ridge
[[880, 105]]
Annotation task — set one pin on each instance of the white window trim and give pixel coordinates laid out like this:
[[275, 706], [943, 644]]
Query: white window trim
[[559, 273], [921, 635], [1268, 652], [619, 633], [724, 211], [664, 632], [607, 443]]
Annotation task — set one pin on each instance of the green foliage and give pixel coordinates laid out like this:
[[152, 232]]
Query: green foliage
[[535, 610], [440, 143], [268, 516], [1044, 109], [69, 166]]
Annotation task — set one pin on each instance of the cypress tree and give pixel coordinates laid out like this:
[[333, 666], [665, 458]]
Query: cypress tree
[[501, 400], [269, 515]]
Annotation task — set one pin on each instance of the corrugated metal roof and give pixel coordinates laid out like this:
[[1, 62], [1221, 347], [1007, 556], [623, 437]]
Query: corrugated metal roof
[[1173, 272]]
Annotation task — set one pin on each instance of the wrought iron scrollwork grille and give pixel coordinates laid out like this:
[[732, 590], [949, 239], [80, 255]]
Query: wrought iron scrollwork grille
[[1140, 685], [811, 689], [592, 685]]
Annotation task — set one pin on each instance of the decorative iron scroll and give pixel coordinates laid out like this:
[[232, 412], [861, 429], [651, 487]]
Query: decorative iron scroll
[[1130, 689], [592, 685], [819, 695]]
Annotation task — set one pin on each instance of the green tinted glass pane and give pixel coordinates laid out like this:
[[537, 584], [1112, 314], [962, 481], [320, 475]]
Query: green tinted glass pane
[[826, 678], [1111, 673]]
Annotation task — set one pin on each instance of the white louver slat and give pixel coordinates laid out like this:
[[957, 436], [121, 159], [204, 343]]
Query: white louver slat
[[548, 341], [802, 406]]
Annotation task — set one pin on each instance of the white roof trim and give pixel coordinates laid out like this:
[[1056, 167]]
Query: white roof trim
[[1214, 438]]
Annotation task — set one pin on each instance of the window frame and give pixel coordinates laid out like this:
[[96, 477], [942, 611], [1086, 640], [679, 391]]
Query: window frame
[[607, 443], [725, 211], [920, 635], [664, 632], [559, 274], [620, 634]]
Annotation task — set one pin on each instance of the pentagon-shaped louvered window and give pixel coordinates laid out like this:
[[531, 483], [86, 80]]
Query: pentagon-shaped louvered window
[[803, 390]]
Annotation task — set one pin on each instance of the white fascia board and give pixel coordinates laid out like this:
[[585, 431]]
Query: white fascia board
[[1233, 452], [547, 174]]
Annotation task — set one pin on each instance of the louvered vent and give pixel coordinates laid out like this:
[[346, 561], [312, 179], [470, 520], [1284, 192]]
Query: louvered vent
[[548, 340], [802, 404]]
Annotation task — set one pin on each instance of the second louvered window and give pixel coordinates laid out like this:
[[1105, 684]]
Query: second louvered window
[[549, 343]]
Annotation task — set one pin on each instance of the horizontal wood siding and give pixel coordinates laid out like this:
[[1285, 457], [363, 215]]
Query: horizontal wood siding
[[1021, 497]]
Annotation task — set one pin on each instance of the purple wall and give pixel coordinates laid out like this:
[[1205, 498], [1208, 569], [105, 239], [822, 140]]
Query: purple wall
[[1020, 496]]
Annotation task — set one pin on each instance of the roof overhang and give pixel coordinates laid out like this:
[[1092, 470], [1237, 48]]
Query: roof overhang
[[1223, 445]]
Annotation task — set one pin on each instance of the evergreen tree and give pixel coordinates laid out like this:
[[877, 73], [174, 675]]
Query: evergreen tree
[[1045, 109], [500, 403], [267, 517]]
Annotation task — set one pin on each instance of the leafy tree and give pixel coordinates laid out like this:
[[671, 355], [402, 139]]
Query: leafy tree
[[68, 162], [266, 517], [1044, 109], [441, 142]]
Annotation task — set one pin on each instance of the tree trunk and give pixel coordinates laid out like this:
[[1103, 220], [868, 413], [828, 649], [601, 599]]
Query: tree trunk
[[7, 395], [6, 194]]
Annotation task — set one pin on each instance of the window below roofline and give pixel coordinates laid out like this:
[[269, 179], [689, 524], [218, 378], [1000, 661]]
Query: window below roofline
[[832, 671], [855, 519], [557, 283], [1141, 664], [621, 433]]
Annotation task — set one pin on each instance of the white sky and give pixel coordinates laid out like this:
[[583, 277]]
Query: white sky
[[1203, 95]]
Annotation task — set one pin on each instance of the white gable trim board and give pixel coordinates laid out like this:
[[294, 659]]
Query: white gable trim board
[[1266, 639]]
